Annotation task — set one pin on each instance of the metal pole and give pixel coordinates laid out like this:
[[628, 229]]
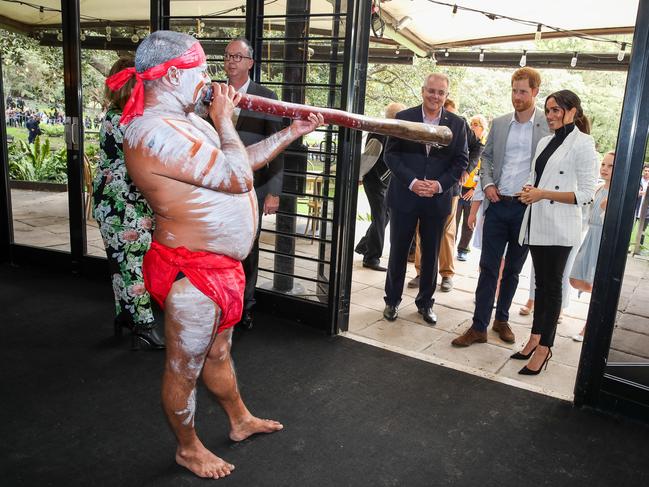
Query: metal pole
[[6, 223], [73, 127], [295, 158]]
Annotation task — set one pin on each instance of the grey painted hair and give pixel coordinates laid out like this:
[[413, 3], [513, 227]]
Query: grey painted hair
[[246, 43], [159, 47]]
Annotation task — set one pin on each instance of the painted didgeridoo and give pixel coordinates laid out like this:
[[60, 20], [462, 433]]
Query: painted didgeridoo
[[436, 135]]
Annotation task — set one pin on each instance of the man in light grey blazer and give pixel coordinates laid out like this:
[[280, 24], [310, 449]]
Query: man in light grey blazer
[[506, 165]]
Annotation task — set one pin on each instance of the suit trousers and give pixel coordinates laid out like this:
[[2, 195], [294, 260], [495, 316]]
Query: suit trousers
[[502, 223], [462, 223], [402, 229], [371, 245], [447, 243], [250, 266], [549, 264]]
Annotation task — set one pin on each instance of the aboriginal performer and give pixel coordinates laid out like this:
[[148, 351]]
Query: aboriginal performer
[[198, 180]]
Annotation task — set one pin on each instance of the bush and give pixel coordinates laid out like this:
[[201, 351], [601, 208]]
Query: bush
[[37, 162]]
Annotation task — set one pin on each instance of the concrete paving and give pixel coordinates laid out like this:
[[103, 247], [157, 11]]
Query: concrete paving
[[41, 219]]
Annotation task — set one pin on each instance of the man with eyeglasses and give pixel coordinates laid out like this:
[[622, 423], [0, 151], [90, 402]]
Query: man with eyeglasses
[[253, 127], [420, 192]]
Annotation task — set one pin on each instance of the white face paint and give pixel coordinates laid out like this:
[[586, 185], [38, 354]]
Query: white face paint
[[190, 410], [195, 313]]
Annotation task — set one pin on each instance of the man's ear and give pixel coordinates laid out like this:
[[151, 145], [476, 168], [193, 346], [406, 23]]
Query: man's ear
[[174, 75]]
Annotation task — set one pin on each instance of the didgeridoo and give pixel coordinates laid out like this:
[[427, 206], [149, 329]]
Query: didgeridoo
[[436, 135]]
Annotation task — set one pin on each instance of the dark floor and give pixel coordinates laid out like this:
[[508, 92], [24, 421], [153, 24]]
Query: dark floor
[[77, 409]]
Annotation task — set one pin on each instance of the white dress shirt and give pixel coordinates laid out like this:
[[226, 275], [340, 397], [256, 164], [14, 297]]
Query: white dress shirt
[[518, 156]]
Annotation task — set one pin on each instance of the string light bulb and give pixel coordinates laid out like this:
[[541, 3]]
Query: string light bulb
[[433, 59], [454, 12], [445, 52], [573, 61], [537, 36], [135, 38], [59, 36], [620, 53], [108, 30], [41, 13], [523, 60], [481, 57], [82, 37]]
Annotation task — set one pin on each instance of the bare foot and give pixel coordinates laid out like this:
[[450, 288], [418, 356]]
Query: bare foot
[[203, 462], [253, 425]]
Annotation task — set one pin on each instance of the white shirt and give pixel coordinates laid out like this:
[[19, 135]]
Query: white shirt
[[243, 90], [518, 156], [644, 183]]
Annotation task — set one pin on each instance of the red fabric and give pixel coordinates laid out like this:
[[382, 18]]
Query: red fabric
[[191, 58], [219, 277]]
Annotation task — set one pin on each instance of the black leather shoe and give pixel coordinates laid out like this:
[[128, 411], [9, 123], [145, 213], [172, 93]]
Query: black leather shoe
[[428, 314], [246, 320], [151, 339], [375, 266], [390, 313]]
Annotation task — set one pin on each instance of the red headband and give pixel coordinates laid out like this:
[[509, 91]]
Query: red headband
[[191, 58]]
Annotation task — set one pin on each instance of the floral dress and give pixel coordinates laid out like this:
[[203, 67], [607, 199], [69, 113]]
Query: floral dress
[[126, 222]]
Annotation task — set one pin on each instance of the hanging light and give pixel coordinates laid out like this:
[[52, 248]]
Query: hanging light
[[481, 57], [397, 51], [445, 52], [573, 61], [433, 59], [454, 12], [537, 36], [108, 30], [135, 38], [523, 60], [403, 23], [620, 53], [82, 37], [59, 36], [41, 13]]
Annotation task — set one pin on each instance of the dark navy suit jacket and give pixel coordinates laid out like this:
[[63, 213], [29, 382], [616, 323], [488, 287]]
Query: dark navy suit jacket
[[408, 160]]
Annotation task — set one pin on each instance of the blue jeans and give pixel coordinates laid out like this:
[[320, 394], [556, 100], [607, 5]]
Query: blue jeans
[[502, 225]]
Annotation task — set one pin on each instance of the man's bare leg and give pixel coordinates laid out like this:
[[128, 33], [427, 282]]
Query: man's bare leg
[[190, 321], [220, 378]]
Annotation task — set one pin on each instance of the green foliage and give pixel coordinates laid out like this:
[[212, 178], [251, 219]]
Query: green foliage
[[37, 162]]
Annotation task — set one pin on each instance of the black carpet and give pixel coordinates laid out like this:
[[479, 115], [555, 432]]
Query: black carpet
[[78, 409]]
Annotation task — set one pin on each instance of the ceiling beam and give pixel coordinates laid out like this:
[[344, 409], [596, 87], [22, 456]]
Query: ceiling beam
[[542, 60]]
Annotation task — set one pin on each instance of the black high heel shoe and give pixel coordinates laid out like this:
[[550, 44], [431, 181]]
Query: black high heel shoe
[[150, 339], [527, 371], [520, 356]]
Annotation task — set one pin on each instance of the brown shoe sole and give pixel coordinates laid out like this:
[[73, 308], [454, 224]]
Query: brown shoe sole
[[458, 343]]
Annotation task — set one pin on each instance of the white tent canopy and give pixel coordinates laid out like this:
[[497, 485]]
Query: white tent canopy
[[422, 25]]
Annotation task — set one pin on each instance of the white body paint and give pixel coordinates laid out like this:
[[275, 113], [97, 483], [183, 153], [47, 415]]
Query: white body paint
[[190, 410]]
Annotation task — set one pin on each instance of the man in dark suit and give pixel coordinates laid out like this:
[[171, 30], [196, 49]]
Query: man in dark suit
[[252, 128], [420, 192]]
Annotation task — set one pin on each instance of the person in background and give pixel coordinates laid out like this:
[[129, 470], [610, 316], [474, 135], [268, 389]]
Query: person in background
[[478, 124], [375, 183], [644, 184], [562, 181], [33, 128], [125, 223], [582, 274], [254, 127]]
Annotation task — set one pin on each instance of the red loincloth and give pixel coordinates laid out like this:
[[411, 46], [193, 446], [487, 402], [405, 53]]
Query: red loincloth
[[219, 277]]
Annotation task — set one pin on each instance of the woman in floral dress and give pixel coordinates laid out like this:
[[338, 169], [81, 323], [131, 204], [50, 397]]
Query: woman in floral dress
[[126, 223]]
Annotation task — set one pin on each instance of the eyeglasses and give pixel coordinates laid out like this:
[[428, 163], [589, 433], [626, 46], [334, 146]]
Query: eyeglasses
[[234, 57], [439, 93]]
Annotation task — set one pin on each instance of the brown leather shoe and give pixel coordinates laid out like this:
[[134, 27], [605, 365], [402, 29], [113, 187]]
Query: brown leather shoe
[[470, 337], [504, 331]]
